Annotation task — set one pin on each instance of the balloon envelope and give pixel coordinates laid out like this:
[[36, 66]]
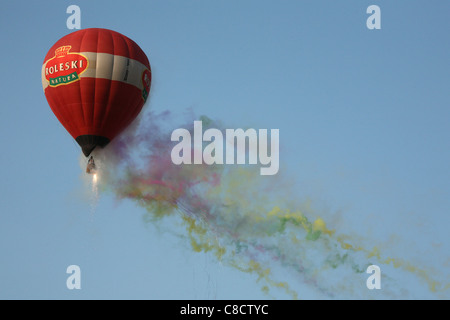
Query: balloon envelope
[[96, 82]]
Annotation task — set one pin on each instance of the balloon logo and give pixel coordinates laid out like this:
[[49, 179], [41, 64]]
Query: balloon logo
[[146, 81], [96, 82], [64, 67]]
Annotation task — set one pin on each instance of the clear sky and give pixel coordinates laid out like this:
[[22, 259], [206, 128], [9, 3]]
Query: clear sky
[[364, 120]]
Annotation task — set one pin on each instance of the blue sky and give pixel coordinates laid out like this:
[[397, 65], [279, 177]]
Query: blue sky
[[363, 118]]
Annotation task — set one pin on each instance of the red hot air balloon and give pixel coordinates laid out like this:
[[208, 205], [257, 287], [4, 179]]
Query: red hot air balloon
[[96, 82]]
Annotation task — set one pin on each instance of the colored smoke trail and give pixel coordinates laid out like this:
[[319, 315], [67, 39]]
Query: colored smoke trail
[[248, 221]]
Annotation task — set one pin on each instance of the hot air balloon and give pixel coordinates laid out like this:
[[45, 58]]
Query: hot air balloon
[[96, 82]]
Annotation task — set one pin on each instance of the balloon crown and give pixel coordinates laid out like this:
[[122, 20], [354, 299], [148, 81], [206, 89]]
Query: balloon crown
[[62, 51]]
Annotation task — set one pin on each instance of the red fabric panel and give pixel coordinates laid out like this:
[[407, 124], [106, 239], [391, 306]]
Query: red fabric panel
[[95, 106]]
